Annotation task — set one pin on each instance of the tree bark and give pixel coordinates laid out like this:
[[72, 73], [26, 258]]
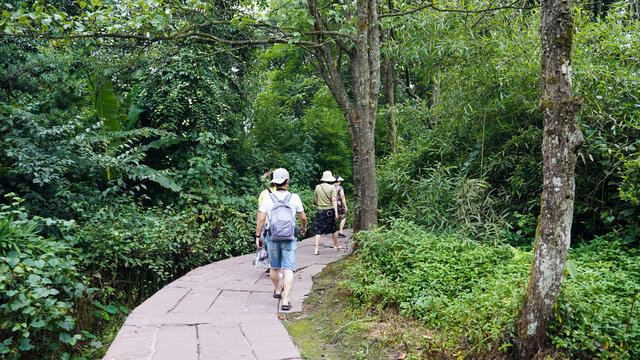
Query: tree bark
[[561, 139], [360, 109]]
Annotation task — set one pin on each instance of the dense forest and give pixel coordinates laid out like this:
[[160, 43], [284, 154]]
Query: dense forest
[[135, 136]]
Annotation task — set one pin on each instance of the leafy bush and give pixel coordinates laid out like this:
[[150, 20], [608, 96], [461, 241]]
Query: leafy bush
[[136, 249], [472, 292], [594, 312], [441, 198], [467, 290], [39, 285]]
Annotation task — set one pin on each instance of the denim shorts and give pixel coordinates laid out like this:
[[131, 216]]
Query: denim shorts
[[282, 254]]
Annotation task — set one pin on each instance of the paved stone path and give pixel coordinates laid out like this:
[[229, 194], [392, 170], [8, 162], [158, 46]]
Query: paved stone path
[[224, 310]]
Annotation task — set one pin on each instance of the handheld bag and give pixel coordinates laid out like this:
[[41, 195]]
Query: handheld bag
[[282, 221]]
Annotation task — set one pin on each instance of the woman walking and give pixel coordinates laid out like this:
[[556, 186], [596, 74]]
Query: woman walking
[[327, 214], [342, 204]]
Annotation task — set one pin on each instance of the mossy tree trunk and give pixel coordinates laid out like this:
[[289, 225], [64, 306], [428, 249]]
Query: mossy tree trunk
[[561, 139]]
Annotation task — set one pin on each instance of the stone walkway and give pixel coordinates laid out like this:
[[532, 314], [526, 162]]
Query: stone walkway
[[224, 310]]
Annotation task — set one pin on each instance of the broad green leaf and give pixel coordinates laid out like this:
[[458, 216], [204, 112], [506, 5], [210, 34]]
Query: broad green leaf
[[145, 172], [111, 309], [37, 323], [107, 107], [25, 344]]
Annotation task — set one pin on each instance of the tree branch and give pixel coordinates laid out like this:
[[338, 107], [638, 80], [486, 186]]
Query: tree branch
[[434, 7]]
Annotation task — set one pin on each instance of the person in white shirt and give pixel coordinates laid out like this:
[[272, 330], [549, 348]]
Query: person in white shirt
[[282, 254]]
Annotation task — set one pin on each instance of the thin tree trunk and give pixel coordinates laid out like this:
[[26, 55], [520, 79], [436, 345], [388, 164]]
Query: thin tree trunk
[[561, 139]]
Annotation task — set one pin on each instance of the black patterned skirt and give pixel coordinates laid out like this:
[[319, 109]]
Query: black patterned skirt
[[324, 223]]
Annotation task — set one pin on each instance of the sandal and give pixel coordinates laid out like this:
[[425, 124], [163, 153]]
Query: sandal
[[277, 296], [286, 307]]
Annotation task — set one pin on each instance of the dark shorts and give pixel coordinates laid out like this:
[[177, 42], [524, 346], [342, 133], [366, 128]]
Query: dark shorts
[[324, 223]]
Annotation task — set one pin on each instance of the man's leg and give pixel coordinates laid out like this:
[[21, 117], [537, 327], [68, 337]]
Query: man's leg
[[274, 275], [342, 225], [335, 240], [287, 279], [288, 267], [275, 263]]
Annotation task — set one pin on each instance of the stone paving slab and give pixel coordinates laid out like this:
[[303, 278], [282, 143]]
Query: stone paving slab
[[223, 310]]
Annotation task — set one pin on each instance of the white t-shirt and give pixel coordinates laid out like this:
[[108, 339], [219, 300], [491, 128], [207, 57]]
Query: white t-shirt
[[294, 201]]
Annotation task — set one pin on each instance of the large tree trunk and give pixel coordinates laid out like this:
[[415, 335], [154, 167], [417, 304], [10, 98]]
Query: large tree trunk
[[361, 109], [366, 88], [561, 139]]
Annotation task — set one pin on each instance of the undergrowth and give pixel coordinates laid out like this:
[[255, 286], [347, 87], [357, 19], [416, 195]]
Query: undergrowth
[[469, 293]]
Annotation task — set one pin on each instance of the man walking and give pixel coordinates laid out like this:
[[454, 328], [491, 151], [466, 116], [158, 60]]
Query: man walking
[[281, 207]]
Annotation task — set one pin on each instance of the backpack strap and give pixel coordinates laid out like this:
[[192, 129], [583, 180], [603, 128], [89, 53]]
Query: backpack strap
[[286, 199], [275, 199]]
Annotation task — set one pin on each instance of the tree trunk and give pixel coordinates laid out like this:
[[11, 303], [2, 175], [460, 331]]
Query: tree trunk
[[366, 88], [361, 109], [561, 139]]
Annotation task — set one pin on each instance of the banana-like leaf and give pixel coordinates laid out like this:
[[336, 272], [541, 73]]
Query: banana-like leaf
[[134, 113], [134, 109], [107, 107], [145, 172], [157, 144]]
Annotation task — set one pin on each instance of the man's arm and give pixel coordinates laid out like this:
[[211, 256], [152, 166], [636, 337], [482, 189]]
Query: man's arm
[[259, 226], [303, 222]]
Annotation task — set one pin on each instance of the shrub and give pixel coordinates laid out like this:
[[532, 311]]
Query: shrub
[[594, 312], [39, 285], [442, 199], [136, 249], [467, 290], [471, 292]]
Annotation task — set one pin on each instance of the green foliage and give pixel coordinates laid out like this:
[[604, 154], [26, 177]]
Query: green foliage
[[595, 312], [39, 285], [470, 291], [439, 198], [154, 245], [630, 171], [106, 105], [296, 123]]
